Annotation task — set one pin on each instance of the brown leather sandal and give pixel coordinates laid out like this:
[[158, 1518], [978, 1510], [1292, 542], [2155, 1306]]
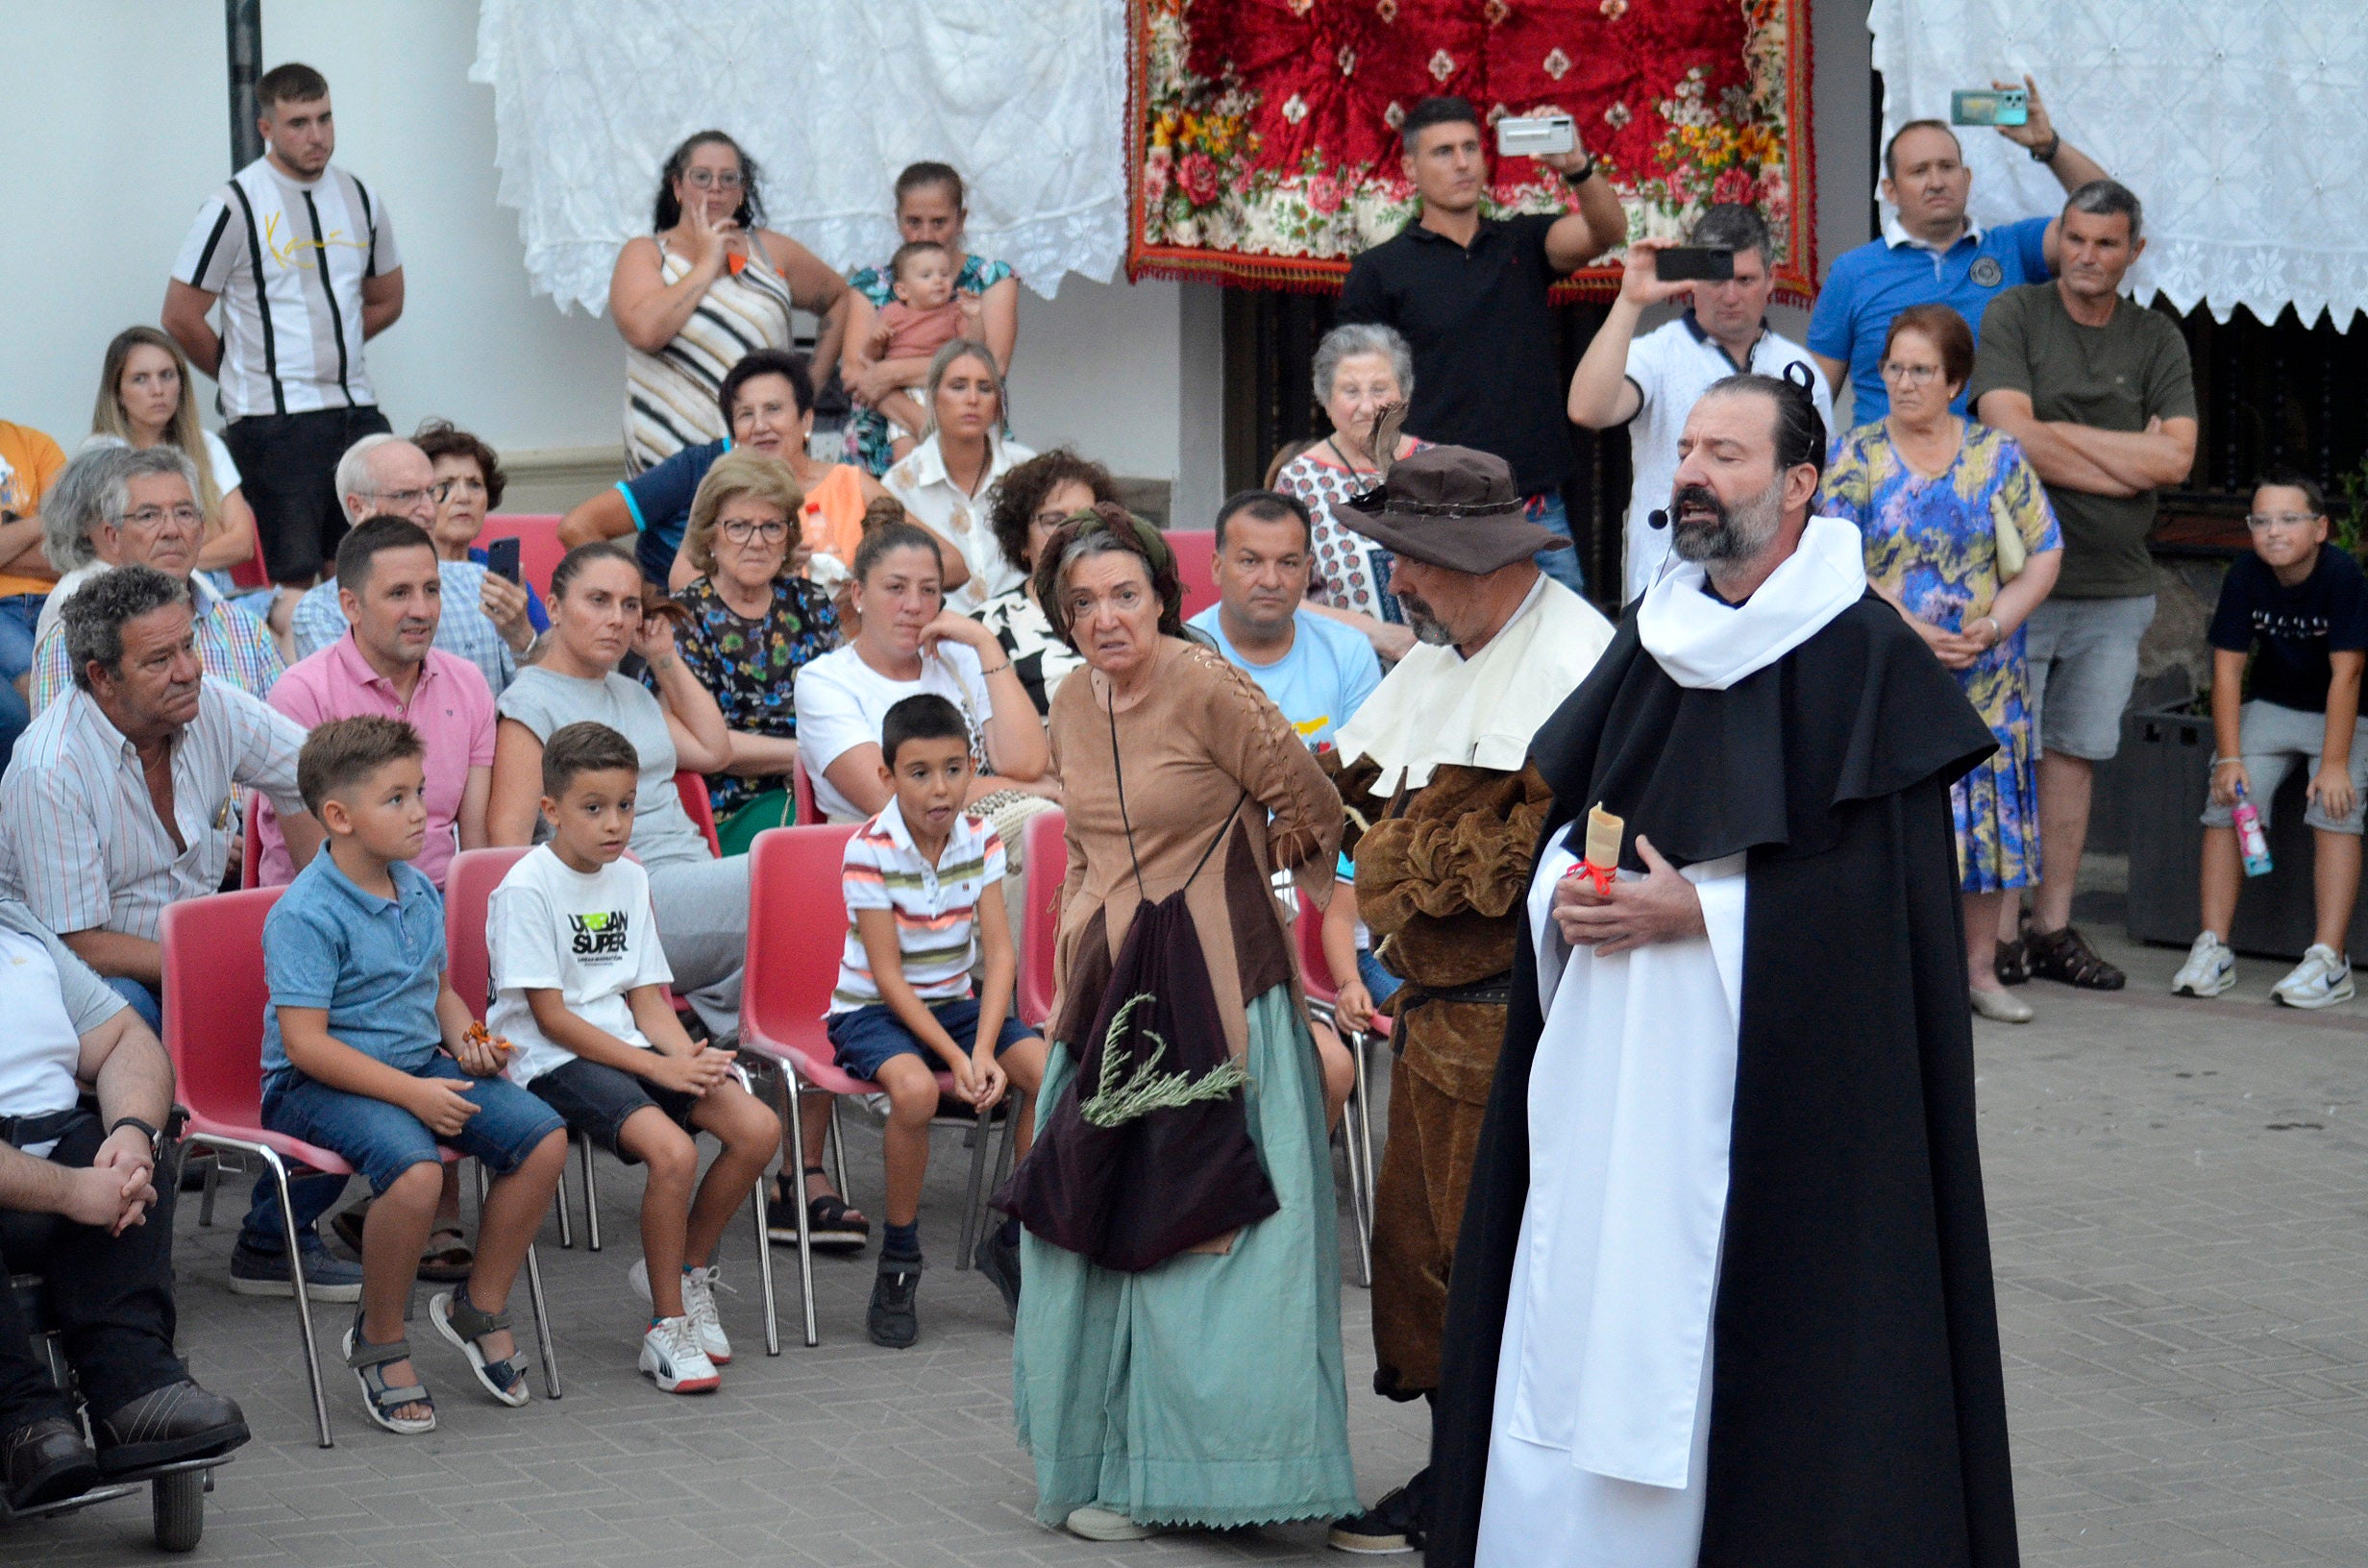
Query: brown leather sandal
[[2065, 955]]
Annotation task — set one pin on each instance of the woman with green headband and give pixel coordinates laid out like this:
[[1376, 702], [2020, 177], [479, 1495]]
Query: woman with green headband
[[1177, 1360]]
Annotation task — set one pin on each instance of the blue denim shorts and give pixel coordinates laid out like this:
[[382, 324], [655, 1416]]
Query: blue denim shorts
[[597, 1100], [869, 1036], [382, 1140]]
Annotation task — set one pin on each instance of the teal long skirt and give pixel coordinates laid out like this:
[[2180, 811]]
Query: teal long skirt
[[1208, 1390]]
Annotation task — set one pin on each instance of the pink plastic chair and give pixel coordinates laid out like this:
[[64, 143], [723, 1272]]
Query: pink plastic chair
[[1322, 997], [1196, 566], [797, 929], [696, 804], [801, 791], [250, 852], [539, 550], [253, 572], [1044, 853], [215, 997]]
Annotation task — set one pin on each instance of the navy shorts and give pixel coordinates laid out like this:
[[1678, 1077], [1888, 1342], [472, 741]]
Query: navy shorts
[[869, 1036], [596, 1100], [381, 1141]]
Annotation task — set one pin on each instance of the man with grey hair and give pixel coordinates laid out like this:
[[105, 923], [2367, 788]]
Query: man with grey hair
[[1649, 384], [2098, 392], [385, 476], [121, 799], [145, 501]]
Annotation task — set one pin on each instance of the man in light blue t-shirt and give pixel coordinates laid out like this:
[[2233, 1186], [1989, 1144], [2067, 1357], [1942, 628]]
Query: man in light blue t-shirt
[[1317, 671], [1929, 253]]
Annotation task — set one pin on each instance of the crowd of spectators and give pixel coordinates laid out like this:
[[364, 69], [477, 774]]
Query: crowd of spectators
[[938, 633]]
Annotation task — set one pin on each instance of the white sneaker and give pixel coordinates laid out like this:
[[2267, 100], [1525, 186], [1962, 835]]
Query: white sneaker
[[698, 1305], [670, 1354], [2322, 979], [2210, 968]]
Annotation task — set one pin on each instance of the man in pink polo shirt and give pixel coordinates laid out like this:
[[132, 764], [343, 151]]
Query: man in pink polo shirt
[[388, 585]]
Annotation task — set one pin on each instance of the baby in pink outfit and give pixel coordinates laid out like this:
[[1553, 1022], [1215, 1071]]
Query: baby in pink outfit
[[923, 318]]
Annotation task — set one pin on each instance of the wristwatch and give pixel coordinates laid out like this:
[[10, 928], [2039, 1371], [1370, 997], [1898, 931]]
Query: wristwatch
[[2047, 154], [121, 1122], [1575, 178]]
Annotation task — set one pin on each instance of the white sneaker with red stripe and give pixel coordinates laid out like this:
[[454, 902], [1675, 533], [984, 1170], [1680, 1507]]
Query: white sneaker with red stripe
[[671, 1355]]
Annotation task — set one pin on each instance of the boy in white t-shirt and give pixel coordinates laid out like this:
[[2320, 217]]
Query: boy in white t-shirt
[[580, 982], [923, 887]]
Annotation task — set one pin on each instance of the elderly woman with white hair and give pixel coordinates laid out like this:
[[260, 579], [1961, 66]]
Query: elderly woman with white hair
[[1362, 370], [944, 483]]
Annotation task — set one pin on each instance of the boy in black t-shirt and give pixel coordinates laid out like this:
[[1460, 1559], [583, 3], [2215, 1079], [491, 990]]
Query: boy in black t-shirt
[[2299, 607]]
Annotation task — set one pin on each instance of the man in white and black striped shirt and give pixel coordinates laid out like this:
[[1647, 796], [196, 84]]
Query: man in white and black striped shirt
[[303, 259]]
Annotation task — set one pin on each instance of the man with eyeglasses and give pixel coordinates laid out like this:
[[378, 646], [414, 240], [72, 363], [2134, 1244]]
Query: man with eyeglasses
[[2098, 392], [148, 516], [302, 258], [384, 476], [1649, 384]]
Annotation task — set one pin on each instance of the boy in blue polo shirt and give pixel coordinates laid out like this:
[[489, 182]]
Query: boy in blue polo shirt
[[367, 1053]]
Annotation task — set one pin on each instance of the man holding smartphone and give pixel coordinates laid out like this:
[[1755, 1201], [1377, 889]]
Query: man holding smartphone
[[1468, 294], [1930, 253], [1649, 384]]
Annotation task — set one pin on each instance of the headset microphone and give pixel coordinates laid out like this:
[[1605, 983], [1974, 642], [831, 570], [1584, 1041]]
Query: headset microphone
[[1657, 519]]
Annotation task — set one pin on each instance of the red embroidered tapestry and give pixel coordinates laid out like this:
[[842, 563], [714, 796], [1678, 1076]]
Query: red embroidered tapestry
[[1263, 148]]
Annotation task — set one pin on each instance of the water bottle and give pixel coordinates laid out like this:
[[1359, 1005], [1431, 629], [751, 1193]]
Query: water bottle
[[2251, 841]]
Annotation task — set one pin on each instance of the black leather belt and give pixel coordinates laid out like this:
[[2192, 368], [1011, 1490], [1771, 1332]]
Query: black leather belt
[[18, 1132], [1495, 991]]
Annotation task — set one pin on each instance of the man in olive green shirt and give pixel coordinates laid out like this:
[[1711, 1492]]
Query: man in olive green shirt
[[2097, 391]]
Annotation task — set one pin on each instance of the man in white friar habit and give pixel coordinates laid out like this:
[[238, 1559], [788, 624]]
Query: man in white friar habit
[[1723, 1294]]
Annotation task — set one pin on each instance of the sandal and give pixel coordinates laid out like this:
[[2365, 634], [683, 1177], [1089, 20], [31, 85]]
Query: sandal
[[2065, 955], [832, 1225], [381, 1399], [2014, 963], [448, 1259], [458, 1319]]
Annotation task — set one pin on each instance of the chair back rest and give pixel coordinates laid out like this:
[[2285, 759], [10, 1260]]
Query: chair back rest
[[1044, 850], [697, 807], [255, 571], [797, 930], [251, 856], [801, 791], [539, 550], [214, 997], [1315, 969], [1196, 566], [468, 903]]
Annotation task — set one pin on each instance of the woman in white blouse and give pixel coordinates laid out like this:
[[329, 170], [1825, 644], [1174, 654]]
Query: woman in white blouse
[[944, 481]]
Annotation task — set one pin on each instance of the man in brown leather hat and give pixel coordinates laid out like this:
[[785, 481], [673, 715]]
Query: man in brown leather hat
[[1445, 813]]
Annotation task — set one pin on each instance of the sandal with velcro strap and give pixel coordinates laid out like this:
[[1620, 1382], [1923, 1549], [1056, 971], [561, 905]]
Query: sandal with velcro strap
[[458, 1319], [381, 1399]]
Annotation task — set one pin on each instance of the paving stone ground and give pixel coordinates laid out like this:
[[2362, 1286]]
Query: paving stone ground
[[2179, 1204]]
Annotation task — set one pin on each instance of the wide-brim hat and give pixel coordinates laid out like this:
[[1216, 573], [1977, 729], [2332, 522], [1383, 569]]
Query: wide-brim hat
[[1453, 507]]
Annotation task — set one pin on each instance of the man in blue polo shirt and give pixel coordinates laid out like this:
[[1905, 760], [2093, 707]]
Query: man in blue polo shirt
[[1318, 670], [1931, 252]]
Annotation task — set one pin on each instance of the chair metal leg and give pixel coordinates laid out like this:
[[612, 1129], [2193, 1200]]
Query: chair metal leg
[[213, 1179], [278, 1168], [1360, 1121], [558, 1201], [792, 1103], [838, 1146], [761, 1208], [535, 1294], [591, 1199], [982, 1136]]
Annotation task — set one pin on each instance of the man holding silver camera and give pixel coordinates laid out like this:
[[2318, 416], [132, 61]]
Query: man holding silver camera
[[1468, 294]]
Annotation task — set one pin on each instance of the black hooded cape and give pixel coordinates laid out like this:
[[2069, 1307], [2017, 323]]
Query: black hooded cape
[[1858, 1409]]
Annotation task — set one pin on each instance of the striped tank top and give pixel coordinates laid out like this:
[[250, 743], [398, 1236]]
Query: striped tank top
[[670, 395]]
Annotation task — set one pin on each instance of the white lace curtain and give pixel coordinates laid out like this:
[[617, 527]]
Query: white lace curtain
[[832, 98], [2239, 126]]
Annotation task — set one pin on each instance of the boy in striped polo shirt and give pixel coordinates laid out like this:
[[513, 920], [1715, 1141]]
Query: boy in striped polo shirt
[[923, 883]]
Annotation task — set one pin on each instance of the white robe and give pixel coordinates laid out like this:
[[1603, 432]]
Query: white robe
[[1600, 1438]]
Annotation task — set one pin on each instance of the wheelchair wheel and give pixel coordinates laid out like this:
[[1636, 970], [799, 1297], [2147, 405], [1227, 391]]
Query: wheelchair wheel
[[179, 1507]]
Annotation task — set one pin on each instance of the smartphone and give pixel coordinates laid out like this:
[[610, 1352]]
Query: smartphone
[[1990, 106], [502, 557], [1535, 135], [1694, 263]]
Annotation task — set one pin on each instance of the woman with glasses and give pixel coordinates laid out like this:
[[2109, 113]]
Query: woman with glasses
[[1961, 539], [708, 285], [755, 620], [1028, 505], [469, 483]]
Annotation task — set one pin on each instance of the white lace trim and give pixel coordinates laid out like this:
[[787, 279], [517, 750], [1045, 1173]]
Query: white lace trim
[[831, 100], [2239, 127]]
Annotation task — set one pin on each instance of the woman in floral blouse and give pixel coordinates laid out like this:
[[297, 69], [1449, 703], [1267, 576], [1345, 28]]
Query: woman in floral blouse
[[1934, 494], [754, 619]]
